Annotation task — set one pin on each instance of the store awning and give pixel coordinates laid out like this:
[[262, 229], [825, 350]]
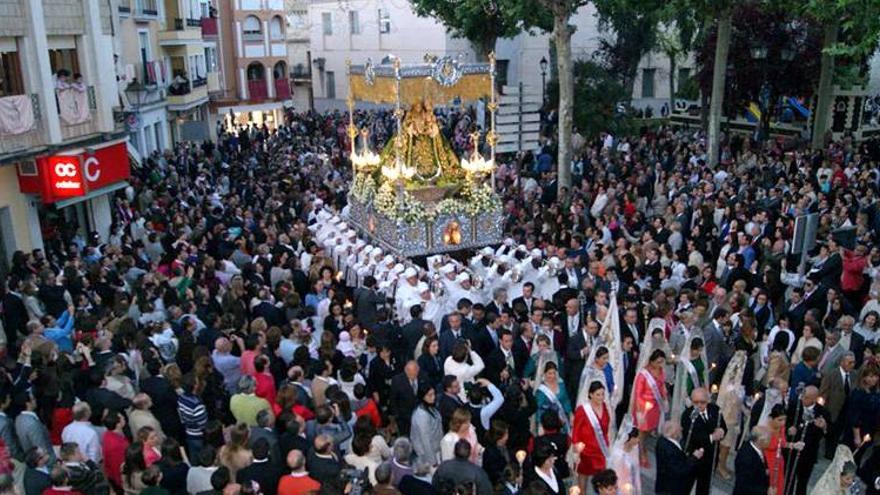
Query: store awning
[[92, 194]]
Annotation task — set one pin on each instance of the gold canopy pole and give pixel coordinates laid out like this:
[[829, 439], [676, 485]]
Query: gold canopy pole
[[352, 130], [398, 143], [491, 138]]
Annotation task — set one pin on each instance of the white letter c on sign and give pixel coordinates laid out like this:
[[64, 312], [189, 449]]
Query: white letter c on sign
[[92, 169]]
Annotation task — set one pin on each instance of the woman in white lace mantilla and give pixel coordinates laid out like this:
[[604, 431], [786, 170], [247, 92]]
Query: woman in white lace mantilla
[[624, 459], [840, 477]]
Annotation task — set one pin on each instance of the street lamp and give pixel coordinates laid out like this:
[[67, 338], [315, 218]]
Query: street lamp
[[543, 64]]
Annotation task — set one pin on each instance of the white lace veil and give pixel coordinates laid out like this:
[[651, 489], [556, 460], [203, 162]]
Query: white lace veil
[[544, 357], [680, 399], [772, 396], [731, 393], [626, 464], [648, 345], [829, 483], [589, 375]]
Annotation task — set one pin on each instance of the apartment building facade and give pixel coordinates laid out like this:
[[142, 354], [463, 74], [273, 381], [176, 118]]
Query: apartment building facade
[[254, 63], [62, 156]]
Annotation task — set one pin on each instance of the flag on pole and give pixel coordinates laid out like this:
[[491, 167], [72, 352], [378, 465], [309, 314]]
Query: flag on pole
[[609, 335]]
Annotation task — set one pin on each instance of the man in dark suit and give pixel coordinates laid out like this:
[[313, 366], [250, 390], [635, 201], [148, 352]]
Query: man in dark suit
[[485, 339], [449, 401], [630, 325], [835, 387], [576, 358], [851, 341], [404, 395], [499, 302], [522, 346], [268, 311], [571, 320], [412, 332], [751, 467], [164, 399], [796, 310], [814, 297], [36, 475], [527, 300], [15, 315], [675, 469], [264, 471], [629, 363], [450, 336], [809, 421], [265, 431], [827, 272], [500, 364], [366, 300], [703, 427]]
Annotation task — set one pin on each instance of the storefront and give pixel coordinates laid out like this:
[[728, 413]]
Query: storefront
[[73, 190]]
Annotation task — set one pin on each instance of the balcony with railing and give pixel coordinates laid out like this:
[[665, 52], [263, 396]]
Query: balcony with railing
[[184, 94], [300, 74], [21, 128], [77, 112], [282, 89], [209, 27], [258, 90], [180, 31]]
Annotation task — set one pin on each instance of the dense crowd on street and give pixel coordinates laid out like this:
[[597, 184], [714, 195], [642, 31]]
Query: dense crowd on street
[[236, 335]]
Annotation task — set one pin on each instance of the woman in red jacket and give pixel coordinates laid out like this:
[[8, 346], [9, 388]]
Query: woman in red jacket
[[592, 422], [852, 279]]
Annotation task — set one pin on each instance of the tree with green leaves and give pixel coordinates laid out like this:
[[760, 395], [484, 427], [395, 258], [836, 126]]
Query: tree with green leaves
[[632, 28], [482, 22], [850, 29], [676, 37], [562, 11]]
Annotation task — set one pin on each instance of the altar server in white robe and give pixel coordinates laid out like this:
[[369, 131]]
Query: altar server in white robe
[[380, 266], [461, 290], [531, 267], [407, 293], [482, 262], [362, 258], [388, 284], [351, 263], [548, 283]]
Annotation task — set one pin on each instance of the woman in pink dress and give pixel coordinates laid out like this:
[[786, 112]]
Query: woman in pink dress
[[649, 399]]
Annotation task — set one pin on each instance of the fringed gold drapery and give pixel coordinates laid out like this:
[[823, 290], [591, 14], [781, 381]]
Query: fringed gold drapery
[[469, 88]]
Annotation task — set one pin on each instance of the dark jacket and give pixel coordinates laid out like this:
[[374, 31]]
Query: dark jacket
[[35, 482], [266, 473], [410, 485], [164, 407], [457, 471], [751, 473], [675, 469]]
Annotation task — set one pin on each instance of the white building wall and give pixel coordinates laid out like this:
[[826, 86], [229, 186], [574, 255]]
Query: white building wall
[[410, 37]]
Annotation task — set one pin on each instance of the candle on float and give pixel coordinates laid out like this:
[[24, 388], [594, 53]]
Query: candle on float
[[520, 456]]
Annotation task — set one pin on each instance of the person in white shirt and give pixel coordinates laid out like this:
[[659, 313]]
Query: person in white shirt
[[463, 368], [81, 432]]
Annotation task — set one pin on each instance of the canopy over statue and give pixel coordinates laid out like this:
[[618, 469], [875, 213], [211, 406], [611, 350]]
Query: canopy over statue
[[417, 196], [439, 80]]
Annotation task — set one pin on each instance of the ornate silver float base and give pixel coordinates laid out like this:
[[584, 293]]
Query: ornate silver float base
[[445, 234]]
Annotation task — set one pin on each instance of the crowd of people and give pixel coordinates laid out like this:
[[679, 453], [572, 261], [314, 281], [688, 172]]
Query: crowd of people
[[235, 336]]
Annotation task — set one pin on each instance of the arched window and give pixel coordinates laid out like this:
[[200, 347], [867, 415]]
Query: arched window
[[279, 71], [252, 27], [256, 72], [276, 28]]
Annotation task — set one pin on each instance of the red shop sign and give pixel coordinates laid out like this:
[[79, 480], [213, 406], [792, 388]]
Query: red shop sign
[[65, 178], [76, 174]]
